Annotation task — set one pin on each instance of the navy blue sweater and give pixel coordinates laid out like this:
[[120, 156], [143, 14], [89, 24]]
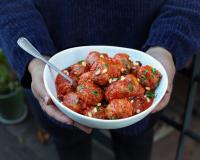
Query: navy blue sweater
[[56, 25]]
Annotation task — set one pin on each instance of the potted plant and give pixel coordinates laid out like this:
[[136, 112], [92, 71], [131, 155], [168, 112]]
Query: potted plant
[[13, 108]]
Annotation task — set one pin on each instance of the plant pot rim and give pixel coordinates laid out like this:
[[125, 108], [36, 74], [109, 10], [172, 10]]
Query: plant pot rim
[[17, 90]]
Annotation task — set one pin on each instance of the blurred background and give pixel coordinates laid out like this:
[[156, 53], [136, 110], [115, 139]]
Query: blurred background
[[177, 135]]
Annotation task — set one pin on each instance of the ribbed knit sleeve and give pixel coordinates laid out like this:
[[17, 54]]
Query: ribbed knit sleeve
[[21, 18], [177, 29]]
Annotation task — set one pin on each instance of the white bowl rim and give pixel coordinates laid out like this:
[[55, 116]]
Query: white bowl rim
[[105, 120]]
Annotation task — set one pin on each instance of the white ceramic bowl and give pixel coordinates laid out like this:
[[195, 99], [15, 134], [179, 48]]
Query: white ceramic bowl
[[70, 56]]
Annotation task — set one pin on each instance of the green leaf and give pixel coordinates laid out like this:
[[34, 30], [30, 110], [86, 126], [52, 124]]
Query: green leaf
[[79, 88], [143, 79], [145, 71], [154, 71], [150, 94], [97, 107], [130, 87], [80, 62], [105, 65], [124, 61], [95, 93], [128, 66]]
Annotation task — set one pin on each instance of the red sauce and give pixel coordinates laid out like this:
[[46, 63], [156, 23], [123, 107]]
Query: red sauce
[[108, 88]]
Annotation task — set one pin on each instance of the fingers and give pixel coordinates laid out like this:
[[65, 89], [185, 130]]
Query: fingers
[[42, 96], [39, 90], [47, 106], [83, 128], [52, 111], [164, 101], [45, 101]]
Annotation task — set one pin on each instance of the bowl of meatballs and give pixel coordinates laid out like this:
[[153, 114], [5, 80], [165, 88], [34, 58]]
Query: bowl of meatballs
[[116, 86]]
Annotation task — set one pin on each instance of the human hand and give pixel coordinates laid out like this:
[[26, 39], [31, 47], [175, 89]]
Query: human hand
[[36, 68], [165, 58]]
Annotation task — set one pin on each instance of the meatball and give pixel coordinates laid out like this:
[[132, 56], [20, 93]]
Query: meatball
[[87, 76], [62, 85], [149, 77], [72, 101], [119, 108], [93, 57], [100, 114], [95, 112], [136, 66], [127, 86], [140, 104], [125, 62], [104, 69], [89, 93], [78, 68]]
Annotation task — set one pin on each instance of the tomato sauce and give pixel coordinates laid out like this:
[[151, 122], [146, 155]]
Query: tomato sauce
[[108, 88]]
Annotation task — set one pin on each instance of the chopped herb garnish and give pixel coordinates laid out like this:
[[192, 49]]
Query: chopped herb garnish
[[97, 107], [150, 94], [80, 62], [124, 61], [128, 66], [80, 87], [143, 79], [105, 65], [130, 87], [95, 93], [154, 71], [145, 71]]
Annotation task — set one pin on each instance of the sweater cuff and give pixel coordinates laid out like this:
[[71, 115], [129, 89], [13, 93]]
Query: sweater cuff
[[171, 42], [44, 46]]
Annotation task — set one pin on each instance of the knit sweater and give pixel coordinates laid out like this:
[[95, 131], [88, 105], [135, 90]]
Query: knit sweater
[[56, 25]]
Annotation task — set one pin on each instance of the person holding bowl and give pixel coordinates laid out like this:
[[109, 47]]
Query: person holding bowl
[[168, 30]]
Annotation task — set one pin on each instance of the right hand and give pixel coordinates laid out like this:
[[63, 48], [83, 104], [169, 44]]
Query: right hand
[[36, 69]]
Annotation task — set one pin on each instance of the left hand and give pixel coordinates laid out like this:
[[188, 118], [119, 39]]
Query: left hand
[[165, 58]]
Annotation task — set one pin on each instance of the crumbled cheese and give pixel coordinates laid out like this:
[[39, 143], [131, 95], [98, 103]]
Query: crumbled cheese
[[105, 70], [98, 104], [148, 100], [122, 78], [89, 114], [102, 56], [148, 88], [94, 110], [138, 79], [98, 72], [112, 80], [133, 67], [136, 64], [138, 111], [66, 72], [132, 101], [122, 69], [83, 63]]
